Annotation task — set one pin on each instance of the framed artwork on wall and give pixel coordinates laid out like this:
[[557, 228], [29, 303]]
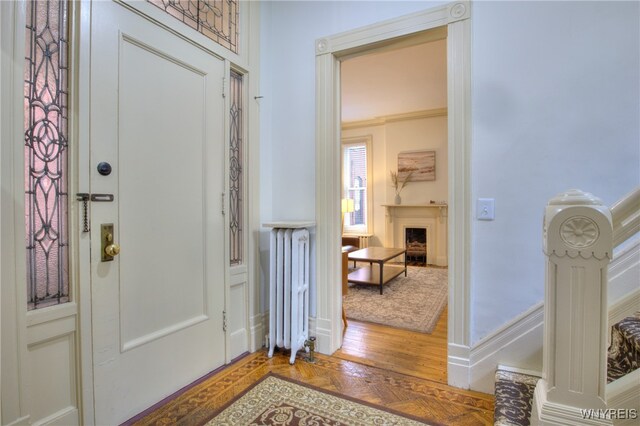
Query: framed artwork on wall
[[421, 165]]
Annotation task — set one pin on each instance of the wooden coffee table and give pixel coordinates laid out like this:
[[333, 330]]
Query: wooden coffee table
[[376, 276]]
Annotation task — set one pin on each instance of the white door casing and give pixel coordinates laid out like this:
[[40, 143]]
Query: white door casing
[[157, 116], [454, 19]]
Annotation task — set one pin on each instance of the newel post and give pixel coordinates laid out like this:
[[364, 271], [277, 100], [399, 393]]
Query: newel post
[[578, 243]]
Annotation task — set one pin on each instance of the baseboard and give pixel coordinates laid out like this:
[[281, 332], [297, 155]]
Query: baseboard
[[258, 330], [458, 366], [321, 328], [441, 261], [517, 344]]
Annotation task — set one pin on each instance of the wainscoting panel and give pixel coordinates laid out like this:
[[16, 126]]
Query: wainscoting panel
[[237, 315], [51, 371]]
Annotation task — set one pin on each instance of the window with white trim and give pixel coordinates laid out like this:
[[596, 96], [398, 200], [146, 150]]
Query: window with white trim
[[356, 183]]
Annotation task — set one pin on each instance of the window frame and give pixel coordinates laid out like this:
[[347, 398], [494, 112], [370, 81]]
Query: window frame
[[365, 140]]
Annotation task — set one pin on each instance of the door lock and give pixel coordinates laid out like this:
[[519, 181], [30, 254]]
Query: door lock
[[108, 248]]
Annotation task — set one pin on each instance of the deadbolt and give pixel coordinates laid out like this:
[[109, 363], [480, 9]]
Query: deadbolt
[[104, 168], [108, 248]]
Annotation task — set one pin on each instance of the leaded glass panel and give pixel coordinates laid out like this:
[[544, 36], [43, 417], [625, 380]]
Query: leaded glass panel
[[235, 170], [215, 19], [46, 136]]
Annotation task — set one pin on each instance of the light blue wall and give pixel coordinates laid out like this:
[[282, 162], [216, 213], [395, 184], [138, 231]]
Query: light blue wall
[[555, 105], [287, 138]]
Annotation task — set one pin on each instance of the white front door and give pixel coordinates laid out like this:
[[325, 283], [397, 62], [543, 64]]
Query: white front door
[[157, 118]]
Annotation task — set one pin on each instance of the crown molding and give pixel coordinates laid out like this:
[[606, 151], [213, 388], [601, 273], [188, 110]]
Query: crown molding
[[382, 120]]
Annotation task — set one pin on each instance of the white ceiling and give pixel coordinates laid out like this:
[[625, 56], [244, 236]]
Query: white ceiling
[[395, 82]]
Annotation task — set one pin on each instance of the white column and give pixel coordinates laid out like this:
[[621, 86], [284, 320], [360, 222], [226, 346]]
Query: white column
[[578, 244]]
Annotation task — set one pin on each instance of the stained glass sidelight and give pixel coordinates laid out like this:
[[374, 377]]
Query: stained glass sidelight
[[215, 19], [235, 170], [45, 123]]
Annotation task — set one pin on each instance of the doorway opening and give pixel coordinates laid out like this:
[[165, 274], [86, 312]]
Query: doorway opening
[[396, 97], [450, 21]]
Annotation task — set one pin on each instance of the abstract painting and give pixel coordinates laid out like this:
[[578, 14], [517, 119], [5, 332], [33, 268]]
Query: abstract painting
[[421, 165]]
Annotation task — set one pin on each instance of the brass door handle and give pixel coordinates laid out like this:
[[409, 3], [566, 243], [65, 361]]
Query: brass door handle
[[112, 250], [108, 247]]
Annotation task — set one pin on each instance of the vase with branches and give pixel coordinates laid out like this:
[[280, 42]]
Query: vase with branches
[[398, 184]]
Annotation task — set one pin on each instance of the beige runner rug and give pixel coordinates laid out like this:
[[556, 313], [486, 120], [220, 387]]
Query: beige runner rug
[[414, 302], [276, 400]]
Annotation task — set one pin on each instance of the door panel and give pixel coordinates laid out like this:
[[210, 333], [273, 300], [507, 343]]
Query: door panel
[[165, 256], [157, 118]]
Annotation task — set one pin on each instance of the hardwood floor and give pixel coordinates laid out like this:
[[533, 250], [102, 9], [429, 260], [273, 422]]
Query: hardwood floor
[[402, 351], [403, 371]]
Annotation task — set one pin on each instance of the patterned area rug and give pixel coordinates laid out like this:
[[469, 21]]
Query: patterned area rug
[[414, 302], [280, 401]]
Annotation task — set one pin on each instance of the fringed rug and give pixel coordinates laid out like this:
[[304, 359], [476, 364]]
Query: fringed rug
[[414, 302], [280, 401]]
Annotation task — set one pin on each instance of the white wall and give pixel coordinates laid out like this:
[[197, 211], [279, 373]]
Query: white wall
[[288, 33], [554, 106], [392, 138]]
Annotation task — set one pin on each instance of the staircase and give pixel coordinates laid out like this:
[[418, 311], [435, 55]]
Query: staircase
[[590, 371], [514, 390]]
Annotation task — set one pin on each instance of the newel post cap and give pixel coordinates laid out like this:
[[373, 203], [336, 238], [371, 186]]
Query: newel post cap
[[575, 197], [577, 223]]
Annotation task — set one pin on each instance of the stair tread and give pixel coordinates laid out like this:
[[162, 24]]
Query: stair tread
[[624, 351], [514, 395]]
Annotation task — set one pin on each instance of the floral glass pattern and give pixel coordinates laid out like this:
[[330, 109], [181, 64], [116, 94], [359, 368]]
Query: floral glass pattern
[[235, 170], [46, 144], [215, 19]]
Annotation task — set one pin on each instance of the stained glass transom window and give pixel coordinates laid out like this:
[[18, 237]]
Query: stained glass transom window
[[215, 19], [235, 170], [45, 123]]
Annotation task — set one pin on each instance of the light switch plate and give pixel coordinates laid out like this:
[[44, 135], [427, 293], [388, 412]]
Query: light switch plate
[[485, 209]]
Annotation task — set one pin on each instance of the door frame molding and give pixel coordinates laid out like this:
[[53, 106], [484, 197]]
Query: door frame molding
[[453, 22]]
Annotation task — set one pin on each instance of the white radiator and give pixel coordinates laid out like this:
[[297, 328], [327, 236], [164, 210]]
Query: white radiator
[[289, 290]]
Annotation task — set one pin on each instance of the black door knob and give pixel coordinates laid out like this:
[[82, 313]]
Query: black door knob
[[104, 168]]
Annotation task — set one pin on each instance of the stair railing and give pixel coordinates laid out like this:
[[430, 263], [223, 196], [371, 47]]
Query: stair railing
[[626, 217], [578, 243]]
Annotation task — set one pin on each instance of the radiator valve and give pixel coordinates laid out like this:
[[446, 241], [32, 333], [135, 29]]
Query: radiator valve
[[310, 344]]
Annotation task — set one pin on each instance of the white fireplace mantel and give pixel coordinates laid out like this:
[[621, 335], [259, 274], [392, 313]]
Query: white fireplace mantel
[[442, 208], [432, 217]]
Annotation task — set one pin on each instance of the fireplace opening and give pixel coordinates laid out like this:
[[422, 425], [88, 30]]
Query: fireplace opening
[[416, 245]]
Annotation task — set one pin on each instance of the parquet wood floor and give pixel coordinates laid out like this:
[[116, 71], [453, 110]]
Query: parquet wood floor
[[385, 377]]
